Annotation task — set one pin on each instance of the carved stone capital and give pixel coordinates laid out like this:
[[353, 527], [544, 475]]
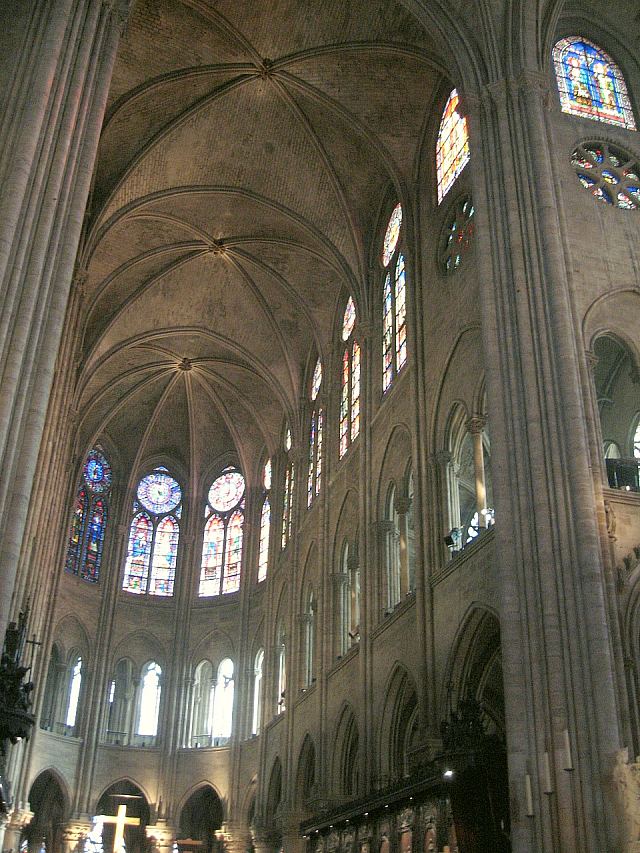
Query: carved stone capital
[[476, 424]]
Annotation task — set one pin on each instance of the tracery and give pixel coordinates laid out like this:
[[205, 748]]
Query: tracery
[[86, 540], [223, 535]]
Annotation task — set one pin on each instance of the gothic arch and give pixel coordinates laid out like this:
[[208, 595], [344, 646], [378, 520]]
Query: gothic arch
[[624, 305], [306, 773], [474, 668], [122, 780], [458, 385], [58, 776], [216, 644], [345, 769], [71, 635], [140, 647], [275, 791], [396, 455], [398, 718], [49, 801]]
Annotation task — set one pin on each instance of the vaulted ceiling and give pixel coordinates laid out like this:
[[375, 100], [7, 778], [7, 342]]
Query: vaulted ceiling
[[246, 152]]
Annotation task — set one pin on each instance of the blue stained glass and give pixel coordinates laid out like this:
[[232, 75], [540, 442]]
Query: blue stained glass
[[590, 83], [609, 177], [159, 492], [84, 551], [97, 472]]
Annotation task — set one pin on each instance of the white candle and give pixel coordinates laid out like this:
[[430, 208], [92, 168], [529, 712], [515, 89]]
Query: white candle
[[568, 760], [548, 787], [528, 794]]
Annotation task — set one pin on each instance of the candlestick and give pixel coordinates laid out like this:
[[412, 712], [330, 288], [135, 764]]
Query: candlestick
[[528, 794], [568, 759]]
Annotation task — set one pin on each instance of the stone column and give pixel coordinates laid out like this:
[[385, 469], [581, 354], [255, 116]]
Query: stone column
[[74, 833], [16, 821], [48, 141], [338, 581], [161, 836], [555, 636], [402, 508], [476, 426], [264, 841]]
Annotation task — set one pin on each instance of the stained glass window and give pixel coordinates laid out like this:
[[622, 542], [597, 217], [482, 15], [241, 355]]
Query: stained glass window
[[355, 390], [315, 438], [319, 453], [610, 174], [457, 234], [344, 404], [265, 525], [387, 334], [400, 315], [165, 552], [150, 567], [312, 459], [287, 503], [349, 319], [636, 441], [452, 146], [222, 541], [391, 235], [316, 381], [266, 476], [349, 421], [590, 83], [86, 539]]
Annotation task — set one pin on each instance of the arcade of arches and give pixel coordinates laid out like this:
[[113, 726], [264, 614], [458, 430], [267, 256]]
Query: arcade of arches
[[320, 425]]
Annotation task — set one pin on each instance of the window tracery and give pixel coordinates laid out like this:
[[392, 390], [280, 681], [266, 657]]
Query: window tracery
[[590, 83], [314, 478], [223, 535], [457, 235], [349, 422], [610, 174], [394, 311], [289, 487], [452, 146], [265, 524], [86, 540], [150, 565]]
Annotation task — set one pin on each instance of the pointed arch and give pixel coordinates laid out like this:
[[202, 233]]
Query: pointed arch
[[306, 772], [398, 724]]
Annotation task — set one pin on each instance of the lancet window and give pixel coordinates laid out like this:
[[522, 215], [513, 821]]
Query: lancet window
[[350, 380], [265, 523], [314, 479], [120, 696], [281, 669], [149, 701], [223, 703], [152, 552], [73, 695], [258, 668], [309, 638], [394, 302], [471, 500], [349, 598], [590, 83], [223, 533], [452, 146], [288, 496], [86, 540]]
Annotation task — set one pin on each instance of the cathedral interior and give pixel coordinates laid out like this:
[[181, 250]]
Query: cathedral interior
[[320, 426]]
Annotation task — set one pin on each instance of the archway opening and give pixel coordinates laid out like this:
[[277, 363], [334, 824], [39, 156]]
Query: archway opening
[[48, 804], [125, 793], [200, 817]]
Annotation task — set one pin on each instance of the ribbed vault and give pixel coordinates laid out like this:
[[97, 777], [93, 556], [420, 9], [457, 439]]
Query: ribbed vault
[[245, 155]]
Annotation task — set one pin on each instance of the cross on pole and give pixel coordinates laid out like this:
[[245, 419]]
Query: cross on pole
[[120, 820]]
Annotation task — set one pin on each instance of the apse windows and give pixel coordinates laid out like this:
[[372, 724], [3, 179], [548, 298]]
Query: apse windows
[[152, 551], [288, 495], [223, 703], [314, 479], [350, 378], [457, 234], [223, 532], [590, 83], [86, 540], [265, 523], [452, 146], [394, 302], [75, 683], [258, 667], [149, 703]]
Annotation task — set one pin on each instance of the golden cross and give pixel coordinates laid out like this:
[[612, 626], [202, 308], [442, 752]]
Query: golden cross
[[121, 820]]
